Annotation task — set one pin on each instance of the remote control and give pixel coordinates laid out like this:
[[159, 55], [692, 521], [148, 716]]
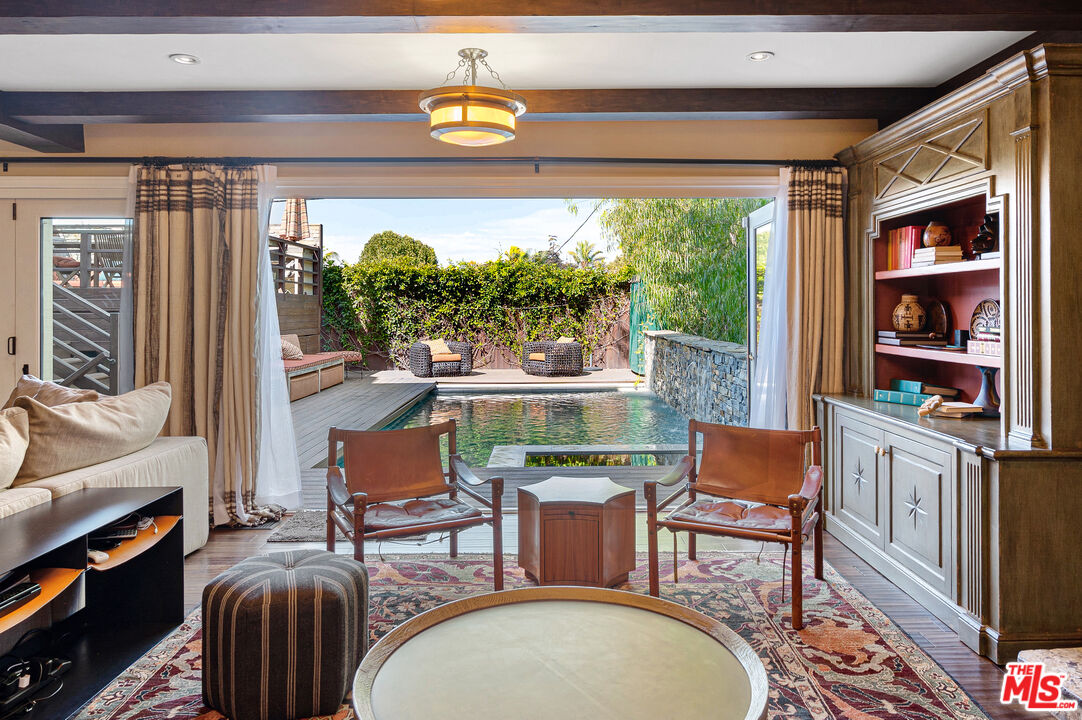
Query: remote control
[[18, 594], [97, 556]]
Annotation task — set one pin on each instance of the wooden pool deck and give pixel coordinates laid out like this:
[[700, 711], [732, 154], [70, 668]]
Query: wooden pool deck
[[370, 401]]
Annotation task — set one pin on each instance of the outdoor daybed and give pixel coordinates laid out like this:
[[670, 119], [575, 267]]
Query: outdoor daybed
[[313, 372]]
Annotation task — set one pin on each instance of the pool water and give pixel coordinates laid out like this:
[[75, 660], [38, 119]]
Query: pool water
[[558, 418]]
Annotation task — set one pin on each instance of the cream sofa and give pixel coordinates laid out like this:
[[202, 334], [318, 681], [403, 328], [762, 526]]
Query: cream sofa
[[168, 461]]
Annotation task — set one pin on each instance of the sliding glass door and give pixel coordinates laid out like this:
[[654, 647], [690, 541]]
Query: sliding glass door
[[71, 262]]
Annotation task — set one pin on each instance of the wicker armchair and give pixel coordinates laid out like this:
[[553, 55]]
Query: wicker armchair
[[560, 359], [421, 363]]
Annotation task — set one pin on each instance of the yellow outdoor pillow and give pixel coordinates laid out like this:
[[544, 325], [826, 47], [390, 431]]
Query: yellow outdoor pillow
[[76, 435], [14, 437], [48, 393], [438, 347], [566, 340]]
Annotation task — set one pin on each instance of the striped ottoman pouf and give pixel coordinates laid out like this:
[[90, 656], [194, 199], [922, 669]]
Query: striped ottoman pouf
[[283, 635]]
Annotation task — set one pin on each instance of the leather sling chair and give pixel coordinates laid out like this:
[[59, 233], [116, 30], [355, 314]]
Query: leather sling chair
[[387, 489], [750, 483]]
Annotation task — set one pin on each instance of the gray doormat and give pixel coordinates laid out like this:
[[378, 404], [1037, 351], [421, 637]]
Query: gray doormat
[[311, 526], [304, 526]]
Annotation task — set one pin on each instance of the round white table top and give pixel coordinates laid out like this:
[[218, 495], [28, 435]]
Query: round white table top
[[563, 654]]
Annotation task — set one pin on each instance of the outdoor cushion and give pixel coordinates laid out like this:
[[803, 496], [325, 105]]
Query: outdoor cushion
[[313, 360], [390, 516], [565, 340], [537, 356], [291, 351], [438, 347], [14, 437], [48, 393], [727, 513], [446, 357], [76, 435]]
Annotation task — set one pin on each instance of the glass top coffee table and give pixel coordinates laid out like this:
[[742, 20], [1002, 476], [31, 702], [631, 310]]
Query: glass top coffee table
[[560, 653]]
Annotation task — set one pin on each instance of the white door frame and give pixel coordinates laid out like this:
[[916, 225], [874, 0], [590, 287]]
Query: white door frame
[[35, 197]]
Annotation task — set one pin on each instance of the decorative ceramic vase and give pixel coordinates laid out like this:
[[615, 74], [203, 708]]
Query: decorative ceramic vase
[[908, 315], [937, 234], [988, 398]]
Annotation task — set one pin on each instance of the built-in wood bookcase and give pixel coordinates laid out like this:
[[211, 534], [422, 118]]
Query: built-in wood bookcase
[[961, 286]]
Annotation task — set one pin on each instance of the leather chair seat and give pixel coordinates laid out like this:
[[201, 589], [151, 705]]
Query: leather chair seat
[[728, 513], [391, 516]]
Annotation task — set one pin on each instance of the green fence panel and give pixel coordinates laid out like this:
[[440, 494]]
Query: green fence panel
[[642, 319]]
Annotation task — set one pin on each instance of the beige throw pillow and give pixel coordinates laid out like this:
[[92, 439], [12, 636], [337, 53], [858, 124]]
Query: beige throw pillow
[[76, 435], [438, 347], [291, 351], [48, 393], [14, 437], [566, 340]]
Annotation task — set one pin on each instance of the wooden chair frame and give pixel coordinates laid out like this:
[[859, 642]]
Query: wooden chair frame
[[803, 506], [346, 510]]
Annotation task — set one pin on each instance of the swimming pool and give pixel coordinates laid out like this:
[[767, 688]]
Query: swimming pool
[[548, 418]]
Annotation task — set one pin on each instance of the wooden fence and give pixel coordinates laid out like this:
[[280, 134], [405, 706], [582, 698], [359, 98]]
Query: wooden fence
[[298, 282]]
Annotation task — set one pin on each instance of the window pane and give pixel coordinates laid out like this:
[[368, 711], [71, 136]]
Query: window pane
[[85, 264]]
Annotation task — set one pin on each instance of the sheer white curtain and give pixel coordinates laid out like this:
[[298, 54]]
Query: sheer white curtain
[[278, 476], [768, 392]]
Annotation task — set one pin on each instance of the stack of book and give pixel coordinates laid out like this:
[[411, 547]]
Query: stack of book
[[910, 339], [937, 255], [901, 243], [913, 392], [958, 409]]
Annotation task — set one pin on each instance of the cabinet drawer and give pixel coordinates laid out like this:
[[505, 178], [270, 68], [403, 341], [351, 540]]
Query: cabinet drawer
[[920, 515], [857, 492]]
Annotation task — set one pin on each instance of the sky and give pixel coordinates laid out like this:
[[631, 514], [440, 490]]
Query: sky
[[458, 230]]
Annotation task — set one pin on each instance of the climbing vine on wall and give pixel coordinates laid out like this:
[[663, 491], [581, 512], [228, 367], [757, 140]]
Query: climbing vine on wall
[[384, 307]]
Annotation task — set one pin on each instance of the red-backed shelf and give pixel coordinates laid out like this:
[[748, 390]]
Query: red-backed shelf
[[53, 581], [964, 266], [960, 358], [139, 544]]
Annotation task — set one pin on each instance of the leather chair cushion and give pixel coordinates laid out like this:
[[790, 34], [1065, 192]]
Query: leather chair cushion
[[728, 513], [446, 357], [390, 516]]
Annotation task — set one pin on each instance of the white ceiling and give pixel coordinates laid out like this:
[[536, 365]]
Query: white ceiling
[[525, 61]]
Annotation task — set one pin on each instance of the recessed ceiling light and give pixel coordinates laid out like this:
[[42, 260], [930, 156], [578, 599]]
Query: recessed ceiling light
[[184, 59], [760, 56]]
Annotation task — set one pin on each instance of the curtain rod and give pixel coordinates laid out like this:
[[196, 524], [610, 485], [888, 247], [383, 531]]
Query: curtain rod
[[536, 161]]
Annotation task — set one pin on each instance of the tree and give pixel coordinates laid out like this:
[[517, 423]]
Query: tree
[[690, 255], [585, 254], [389, 245]]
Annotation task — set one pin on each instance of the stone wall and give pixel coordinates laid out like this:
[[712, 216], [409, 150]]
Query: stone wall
[[705, 379]]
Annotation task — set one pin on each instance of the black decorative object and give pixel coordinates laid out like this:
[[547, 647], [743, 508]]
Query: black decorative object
[[939, 317], [986, 238], [988, 398]]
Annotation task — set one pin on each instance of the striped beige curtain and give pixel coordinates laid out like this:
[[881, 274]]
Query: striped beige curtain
[[816, 292], [195, 260]]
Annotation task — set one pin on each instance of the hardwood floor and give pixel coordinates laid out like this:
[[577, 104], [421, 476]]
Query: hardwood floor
[[977, 676]]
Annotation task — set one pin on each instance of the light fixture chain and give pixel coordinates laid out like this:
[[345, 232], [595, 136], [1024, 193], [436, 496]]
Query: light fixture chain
[[493, 73], [461, 63]]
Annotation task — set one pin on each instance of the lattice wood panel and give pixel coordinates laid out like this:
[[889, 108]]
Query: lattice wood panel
[[962, 150]]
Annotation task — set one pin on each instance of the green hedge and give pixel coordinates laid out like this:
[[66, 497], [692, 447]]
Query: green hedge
[[386, 306]]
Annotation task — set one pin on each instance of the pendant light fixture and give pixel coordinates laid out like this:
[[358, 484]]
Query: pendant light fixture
[[471, 114]]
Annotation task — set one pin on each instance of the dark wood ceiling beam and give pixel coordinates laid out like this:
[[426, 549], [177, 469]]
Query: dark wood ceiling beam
[[375, 16], [64, 108], [54, 138]]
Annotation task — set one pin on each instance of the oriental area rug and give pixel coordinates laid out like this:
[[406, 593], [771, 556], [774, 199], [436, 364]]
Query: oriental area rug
[[849, 661]]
